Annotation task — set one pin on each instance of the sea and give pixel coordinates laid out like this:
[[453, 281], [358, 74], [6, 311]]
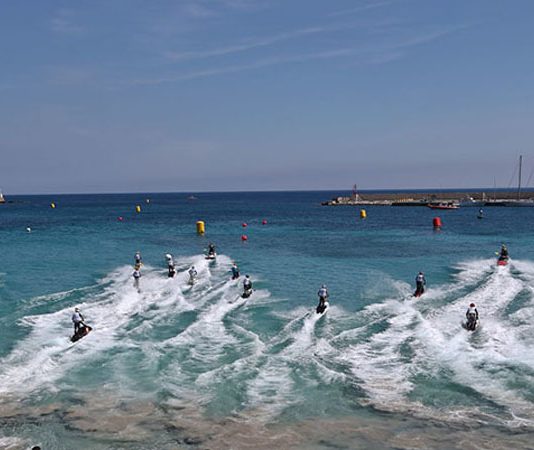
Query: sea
[[175, 366]]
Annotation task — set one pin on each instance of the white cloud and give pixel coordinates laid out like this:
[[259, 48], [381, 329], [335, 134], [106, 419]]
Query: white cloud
[[64, 22]]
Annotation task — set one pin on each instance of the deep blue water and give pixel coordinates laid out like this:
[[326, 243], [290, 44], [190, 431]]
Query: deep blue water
[[270, 357]]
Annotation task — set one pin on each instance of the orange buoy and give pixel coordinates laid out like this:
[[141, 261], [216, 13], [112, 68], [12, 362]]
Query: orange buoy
[[436, 222], [244, 237], [264, 222], [244, 224]]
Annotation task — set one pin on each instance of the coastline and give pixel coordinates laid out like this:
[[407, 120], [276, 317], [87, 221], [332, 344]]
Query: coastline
[[422, 198]]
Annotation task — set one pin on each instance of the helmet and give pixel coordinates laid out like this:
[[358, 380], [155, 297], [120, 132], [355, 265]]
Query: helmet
[[193, 267], [472, 305], [77, 309], [324, 286], [246, 276]]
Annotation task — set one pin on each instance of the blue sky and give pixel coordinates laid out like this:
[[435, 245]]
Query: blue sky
[[207, 95]]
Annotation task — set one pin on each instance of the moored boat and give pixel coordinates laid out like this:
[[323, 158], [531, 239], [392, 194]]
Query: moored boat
[[443, 205]]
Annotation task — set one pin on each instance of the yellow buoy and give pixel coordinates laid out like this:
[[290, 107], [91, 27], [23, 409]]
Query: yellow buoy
[[138, 209], [201, 227], [52, 205], [363, 214]]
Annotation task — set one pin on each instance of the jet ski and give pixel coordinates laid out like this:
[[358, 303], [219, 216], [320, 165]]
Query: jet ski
[[192, 281], [419, 291], [211, 256], [82, 331], [322, 307], [246, 293], [502, 261], [471, 324]]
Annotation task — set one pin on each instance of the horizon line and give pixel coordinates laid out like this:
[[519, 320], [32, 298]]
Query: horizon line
[[492, 189]]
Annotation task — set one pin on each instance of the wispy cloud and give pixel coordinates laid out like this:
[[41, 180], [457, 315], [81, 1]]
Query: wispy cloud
[[64, 22], [248, 45], [202, 9], [426, 37], [360, 8], [254, 65], [368, 53]]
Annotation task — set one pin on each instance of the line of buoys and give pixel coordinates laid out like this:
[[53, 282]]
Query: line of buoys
[[363, 213], [137, 208], [52, 205], [436, 222], [201, 227]]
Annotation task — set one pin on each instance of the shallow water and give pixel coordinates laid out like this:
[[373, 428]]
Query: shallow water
[[175, 366]]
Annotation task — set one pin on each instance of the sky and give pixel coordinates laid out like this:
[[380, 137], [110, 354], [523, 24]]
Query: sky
[[237, 95]]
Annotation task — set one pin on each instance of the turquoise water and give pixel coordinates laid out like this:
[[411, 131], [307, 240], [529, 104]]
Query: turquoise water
[[198, 367]]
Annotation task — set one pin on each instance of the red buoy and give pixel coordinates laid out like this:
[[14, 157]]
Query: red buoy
[[436, 222], [119, 218], [244, 237], [244, 224], [264, 222]]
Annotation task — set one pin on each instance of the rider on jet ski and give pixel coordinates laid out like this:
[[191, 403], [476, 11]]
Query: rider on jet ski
[[77, 320], [323, 296], [192, 274], [211, 249], [471, 315], [420, 283], [170, 265], [504, 252], [235, 271], [247, 284]]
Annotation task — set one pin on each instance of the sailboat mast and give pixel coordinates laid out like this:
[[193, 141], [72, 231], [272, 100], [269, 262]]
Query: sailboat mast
[[519, 185]]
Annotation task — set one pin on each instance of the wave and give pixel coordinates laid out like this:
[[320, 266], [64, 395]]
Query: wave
[[207, 345]]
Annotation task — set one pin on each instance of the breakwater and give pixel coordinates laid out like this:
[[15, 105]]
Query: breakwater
[[465, 198]]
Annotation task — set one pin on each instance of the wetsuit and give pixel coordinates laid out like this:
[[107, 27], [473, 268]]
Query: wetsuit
[[77, 319], [235, 272], [323, 296], [471, 313], [136, 276], [192, 275], [420, 283]]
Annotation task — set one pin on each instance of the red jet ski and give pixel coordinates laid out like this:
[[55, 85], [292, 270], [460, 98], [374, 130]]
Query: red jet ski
[[502, 261]]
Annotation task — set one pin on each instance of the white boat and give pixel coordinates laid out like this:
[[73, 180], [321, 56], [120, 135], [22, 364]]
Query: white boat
[[2, 199]]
